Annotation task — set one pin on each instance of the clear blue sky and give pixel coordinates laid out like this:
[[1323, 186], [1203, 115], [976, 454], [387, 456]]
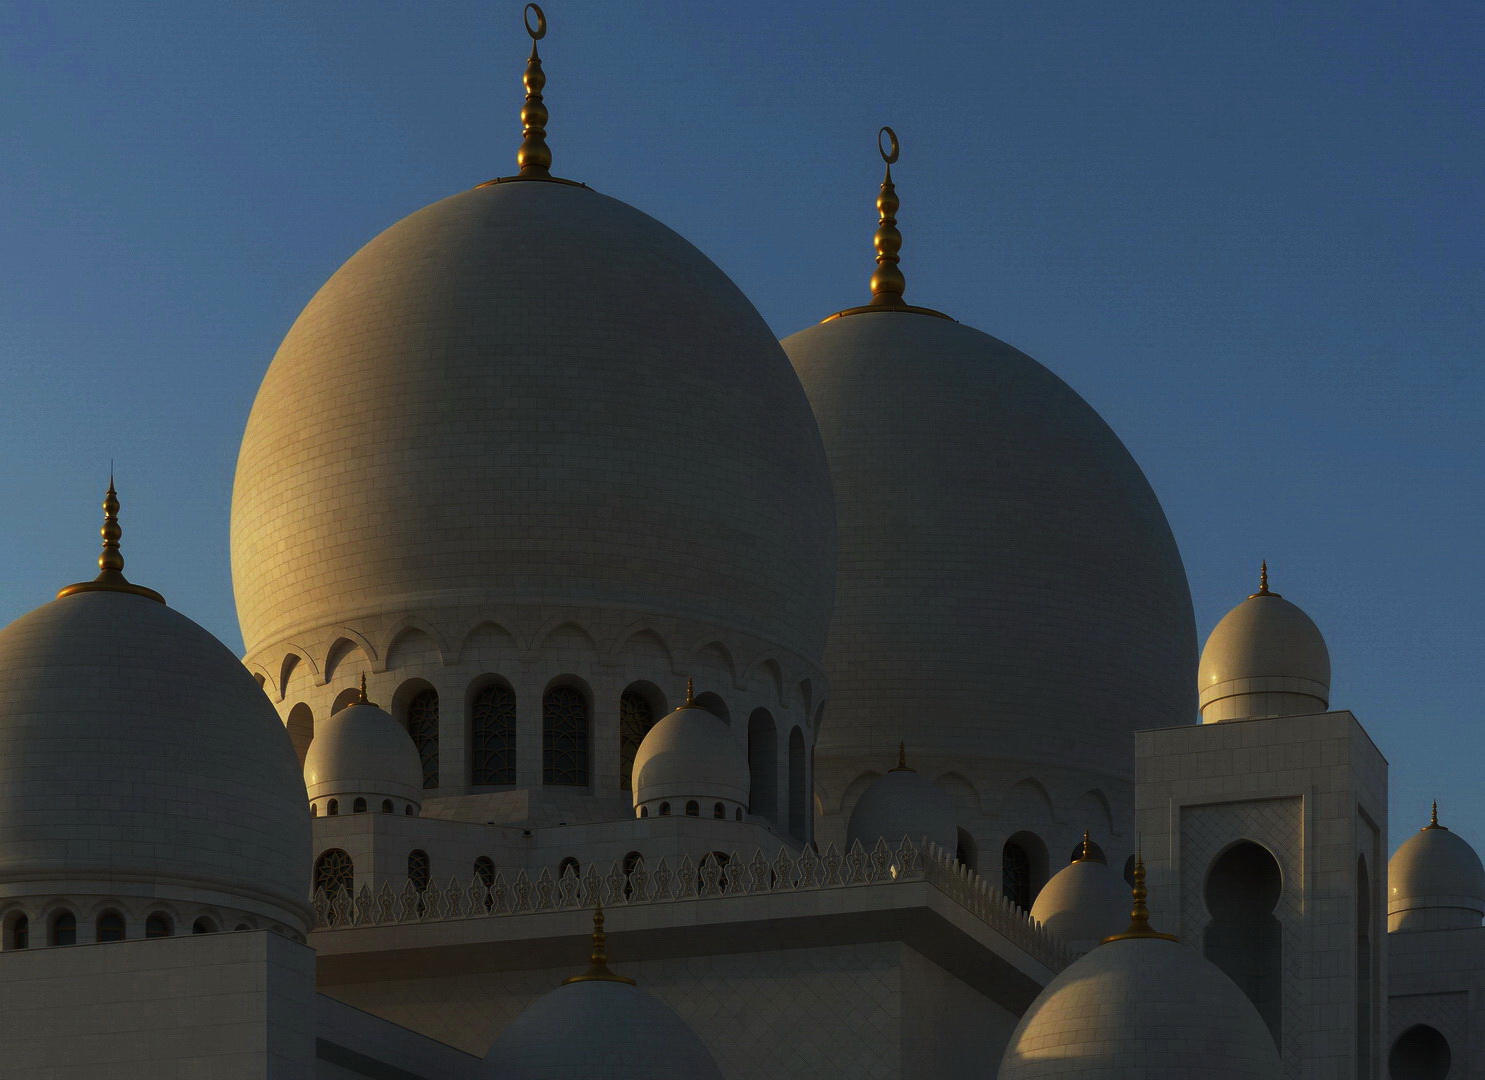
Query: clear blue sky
[[1250, 234]]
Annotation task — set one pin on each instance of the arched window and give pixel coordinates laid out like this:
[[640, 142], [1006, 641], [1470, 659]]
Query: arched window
[[1244, 938], [738, 814], [203, 925], [335, 873], [644, 811], [64, 928], [422, 725], [965, 850], [409, 811], [1420, 1053], [158, 925], [763, 765], [419, 870], [242, 926], [1023, 868], [301, 726], [799, 786], [636, 717], [693, 809], [359, 806], [569, 864], [719, 811], [713, 704], [386, 806], [492, 720], [110, 926], [564, 737], [665, 809], [332, 808], [314, 810], [19, 936]]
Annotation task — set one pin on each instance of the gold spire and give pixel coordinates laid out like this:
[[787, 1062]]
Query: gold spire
[[902, 765], [534, 157], [1262, 581], [111, 561], [598, 962], [1085, 852], [364, 700], [887, 282], [1433, 819], [690, 695], [1139, 918]]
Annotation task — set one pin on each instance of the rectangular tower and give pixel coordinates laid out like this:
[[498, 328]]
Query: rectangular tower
[[1265, 842]]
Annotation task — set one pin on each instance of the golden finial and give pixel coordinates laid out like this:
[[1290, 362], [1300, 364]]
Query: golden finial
[[1139, 918], [534, 157], [111, 561], [1433, 819], [902, 765], [1085, 852], [887, 282], [598, 962], [690, 695], [1263, 589], [364, 699]]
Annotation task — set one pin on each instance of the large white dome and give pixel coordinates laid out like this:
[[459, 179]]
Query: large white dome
[[141, 759], [531, 393], [1001, 555]]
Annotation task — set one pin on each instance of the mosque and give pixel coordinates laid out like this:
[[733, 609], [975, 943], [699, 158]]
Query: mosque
[[581, 731]]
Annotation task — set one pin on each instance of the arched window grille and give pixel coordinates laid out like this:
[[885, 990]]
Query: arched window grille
[[359, 806], [203, 925], [335, 873], [157, 925], [493, 730], [110, 926], [386, 806], [636, 717], [1015, 875], [422, 725], [64, 928], [719, 811], [332, 808], [20, 933], [419, 870], [693, 809], [564, 737]]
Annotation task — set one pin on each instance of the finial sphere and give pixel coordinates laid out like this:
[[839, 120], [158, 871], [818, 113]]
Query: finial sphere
[[539, 31], [892, 149]]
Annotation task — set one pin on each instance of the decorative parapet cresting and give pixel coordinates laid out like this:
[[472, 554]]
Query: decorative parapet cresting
[[717, 876]]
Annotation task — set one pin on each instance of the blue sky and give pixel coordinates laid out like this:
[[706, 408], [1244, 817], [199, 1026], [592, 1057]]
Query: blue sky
[[1250, 235]]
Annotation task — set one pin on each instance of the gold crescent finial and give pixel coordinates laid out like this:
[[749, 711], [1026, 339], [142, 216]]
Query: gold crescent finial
[[534, 157], [598, 970], [111, 560], [1139, 917], [690, 694], [1086, 851], [1433, 819]]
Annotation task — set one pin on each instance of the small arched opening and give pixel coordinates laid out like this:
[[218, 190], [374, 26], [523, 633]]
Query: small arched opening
[[203, 925], [110, 926], [158, 925], [18, 931], [965, 850], [693, 808], [1245, 938], [1023, 868], [799, 786], [63, 928], [301, 727], [763, 765], [665, 809], [1420, 1053], [359, 806], [386, 806]]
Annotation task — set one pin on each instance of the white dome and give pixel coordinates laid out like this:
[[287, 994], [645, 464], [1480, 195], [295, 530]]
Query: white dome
[[1434, 881], [691, 754], [1082, 904], [902, 803], [599, 1028], [1265, 658], [533, 394], [362, 751], [997, 544], [1136, 1009], [141, 757]]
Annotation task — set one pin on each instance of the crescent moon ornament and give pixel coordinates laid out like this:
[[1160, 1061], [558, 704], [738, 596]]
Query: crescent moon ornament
[[889, 152], [539, 31]]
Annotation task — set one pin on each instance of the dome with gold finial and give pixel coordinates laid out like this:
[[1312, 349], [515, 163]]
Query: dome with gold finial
[[142, 762], [1141, 1005], [1082, 903], [902, 803], [363, 759], [997, 543], [599, 1024], [1266, 657], [530, 396], [1434, 881], [691, 762]]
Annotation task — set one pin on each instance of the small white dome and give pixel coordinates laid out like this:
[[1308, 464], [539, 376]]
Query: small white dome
[[1265, 658], [1139, 1008], [1084, 903], [690, 755], [902, 803], [362, 751], [141, 758], [1434, 882]]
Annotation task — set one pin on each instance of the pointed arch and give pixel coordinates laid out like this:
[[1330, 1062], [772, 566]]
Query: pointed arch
[[340, 651], [1028, 801], [854, 789], [766, 669], [962, 794], [717, 656], [806, 689], [413, 646], [1094, 813], [488, 642], [295, 664], [570, 640], [643, 640]]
